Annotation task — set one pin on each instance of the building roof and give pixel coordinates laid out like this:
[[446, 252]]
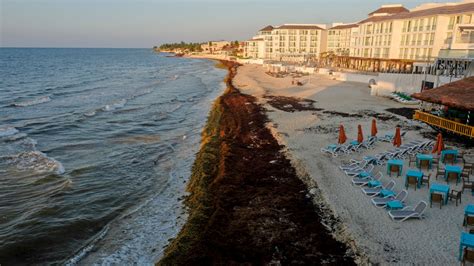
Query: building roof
[[390, 10], [440, 10], [298, 27], [255, 40], [458, 94], [345, 26], [267, 28]]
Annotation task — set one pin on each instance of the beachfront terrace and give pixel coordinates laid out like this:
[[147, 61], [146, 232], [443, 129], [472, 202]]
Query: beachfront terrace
[[440, 122], [449, 107]]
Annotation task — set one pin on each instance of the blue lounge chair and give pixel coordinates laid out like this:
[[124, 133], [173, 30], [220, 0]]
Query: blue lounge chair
[[382, 202]]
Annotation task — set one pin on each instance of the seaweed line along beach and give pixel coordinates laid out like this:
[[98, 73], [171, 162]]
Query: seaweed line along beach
[[246, 202]]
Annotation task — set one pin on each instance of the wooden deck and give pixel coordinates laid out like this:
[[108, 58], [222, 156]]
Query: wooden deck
[[444, 123]]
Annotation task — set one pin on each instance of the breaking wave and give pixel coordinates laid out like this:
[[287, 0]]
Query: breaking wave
[[8, 131], [115, 105], [35, 161], [36, 101]]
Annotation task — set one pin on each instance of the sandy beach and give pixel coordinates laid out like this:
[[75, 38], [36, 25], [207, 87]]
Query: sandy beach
[[433, 240]]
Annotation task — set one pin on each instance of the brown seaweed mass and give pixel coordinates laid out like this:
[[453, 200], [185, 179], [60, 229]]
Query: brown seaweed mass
[[247, 205]]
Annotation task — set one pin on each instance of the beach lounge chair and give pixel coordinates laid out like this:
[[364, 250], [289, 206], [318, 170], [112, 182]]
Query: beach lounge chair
[[372, 192], [371, 160], [368, 144], [392, 154], [354, 165], [362, 181], [403, 134], [409, 212], [345, 148], [357, 172], [382, 202], [387, 138], [332, 150], [379, 158], [402, 154], [357, 147]]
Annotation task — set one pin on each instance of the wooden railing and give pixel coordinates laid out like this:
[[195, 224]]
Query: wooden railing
[[444, 123]]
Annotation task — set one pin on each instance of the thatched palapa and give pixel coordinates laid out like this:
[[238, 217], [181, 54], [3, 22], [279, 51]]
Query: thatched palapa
[[459, 94]]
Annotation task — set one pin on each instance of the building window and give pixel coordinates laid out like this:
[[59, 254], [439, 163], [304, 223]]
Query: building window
[[451, 23]]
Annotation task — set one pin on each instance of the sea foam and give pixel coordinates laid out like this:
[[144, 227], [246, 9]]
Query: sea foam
[[36, 101], [115, 105], [8, 131], [36, 161]]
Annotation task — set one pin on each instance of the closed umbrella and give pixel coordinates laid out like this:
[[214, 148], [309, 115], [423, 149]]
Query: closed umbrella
[[360, 136], [374, 128], [342, 135], [397, 140], [439, 145]]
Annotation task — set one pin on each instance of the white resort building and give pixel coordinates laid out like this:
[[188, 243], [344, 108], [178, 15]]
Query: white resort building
[[288, 42], [392, 38]]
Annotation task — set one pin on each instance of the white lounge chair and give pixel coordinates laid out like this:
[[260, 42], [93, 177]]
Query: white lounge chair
[[409, 212], [363, 181], [357, 172], [332, 151], [382, 202], [349, 148], [354, 165], [368, 144], [373, 192]]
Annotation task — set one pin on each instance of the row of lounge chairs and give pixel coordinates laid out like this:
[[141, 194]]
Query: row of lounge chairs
[[380, 194], [401, 152], [336, 150], [390, 137]]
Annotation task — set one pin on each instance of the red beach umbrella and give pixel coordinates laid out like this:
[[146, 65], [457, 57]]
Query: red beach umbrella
[[360, 136], [342, 135], [439, 145], [397, 140], [374, 128]]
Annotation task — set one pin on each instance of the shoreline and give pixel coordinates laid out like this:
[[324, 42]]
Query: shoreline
[[260, 214]]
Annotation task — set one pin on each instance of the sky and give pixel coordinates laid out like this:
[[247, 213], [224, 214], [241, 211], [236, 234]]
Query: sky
[[145, 23]]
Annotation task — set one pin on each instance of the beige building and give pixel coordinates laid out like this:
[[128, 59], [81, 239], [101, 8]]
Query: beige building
[[214, 47], [339, 38], [396, 35], [289, 42], [254, 48], [391, 38]]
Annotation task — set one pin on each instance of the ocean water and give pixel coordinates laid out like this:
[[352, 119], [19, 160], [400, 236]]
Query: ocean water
[[88, 136]]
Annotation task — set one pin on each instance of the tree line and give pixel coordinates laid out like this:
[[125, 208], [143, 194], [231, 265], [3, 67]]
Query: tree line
[[183, 46]]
